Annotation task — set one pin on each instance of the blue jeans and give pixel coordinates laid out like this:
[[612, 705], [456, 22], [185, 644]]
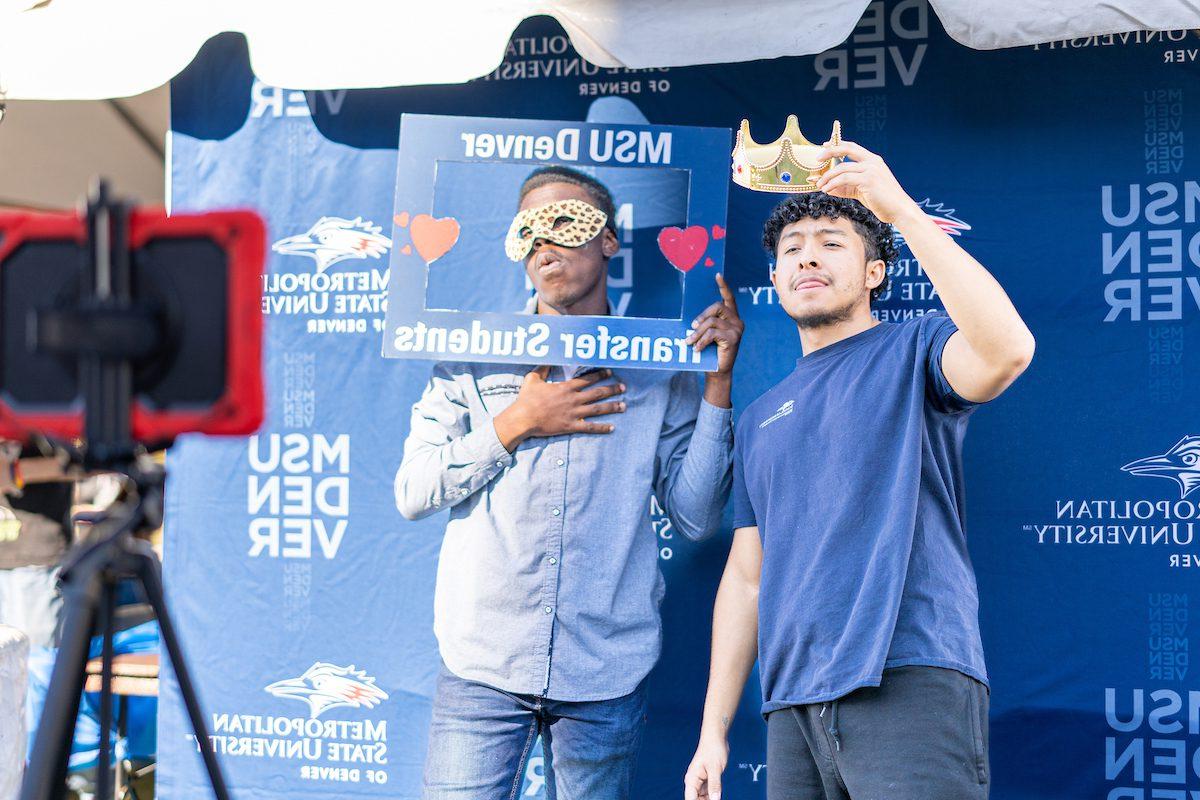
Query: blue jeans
[[480, 739]]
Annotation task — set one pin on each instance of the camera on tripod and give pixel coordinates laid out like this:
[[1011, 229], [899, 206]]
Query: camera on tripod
[[123, 327]]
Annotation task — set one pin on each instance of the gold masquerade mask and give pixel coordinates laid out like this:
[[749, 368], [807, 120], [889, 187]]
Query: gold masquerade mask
[[571, 223]]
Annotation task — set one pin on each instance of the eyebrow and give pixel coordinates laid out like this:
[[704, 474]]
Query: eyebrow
[[827, 231]]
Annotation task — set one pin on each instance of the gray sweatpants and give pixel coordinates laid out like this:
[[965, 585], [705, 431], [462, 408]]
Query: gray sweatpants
[[921, 735]]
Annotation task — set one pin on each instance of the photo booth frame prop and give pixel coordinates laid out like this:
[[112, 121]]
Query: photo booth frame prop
[[696, 250]]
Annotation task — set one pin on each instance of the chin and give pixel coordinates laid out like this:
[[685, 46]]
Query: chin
[[558, 298], [818, 316]]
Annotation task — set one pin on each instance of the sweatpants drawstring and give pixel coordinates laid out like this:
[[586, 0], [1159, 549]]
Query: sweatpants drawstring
[[833, 727], [834, 733]]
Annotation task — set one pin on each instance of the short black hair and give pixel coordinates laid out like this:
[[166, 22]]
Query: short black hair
[[879, 238], [556, 173]]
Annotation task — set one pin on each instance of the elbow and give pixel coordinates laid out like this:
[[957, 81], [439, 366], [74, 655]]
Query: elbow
[[698, 531], [1023, 353], [409, 512], [409, 506], [412, 510], [697, 515], [1014, 360]]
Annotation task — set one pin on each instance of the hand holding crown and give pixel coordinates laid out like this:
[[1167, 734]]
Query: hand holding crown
[[866, 179]]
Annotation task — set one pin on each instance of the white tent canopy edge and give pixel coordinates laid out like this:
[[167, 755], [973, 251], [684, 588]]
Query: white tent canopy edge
[[86, 49]]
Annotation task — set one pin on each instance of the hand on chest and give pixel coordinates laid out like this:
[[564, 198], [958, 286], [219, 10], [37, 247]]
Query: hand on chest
[[644, 398]]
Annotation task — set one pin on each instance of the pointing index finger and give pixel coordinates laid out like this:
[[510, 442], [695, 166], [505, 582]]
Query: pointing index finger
[[726, 293]]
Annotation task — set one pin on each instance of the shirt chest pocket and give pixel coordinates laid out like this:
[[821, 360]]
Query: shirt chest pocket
[[497, 392]]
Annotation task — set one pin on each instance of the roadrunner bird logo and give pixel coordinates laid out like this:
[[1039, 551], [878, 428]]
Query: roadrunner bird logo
[[334, 239], [942, 217], [324, 686], [1181, 464]]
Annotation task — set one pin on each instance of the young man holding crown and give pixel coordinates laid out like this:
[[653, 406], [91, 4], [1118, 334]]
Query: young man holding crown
[[547, 601], [849, 562]]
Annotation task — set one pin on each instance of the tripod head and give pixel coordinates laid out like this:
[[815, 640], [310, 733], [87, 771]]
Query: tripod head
[[122, 326]]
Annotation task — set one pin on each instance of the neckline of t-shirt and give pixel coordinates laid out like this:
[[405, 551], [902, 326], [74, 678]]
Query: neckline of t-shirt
[[842, 345]]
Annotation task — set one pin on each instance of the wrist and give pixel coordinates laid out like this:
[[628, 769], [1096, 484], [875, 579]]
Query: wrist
[[718, 389], [512, 427], [714, 733], [910, 216]]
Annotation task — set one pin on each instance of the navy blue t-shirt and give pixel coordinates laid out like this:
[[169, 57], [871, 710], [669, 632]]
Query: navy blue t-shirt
[[851, 467]]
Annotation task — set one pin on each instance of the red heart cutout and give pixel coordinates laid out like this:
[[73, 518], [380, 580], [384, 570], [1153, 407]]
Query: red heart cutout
[[401, 219], [708, 262], [433, 238], [718, 232], [683, 248]]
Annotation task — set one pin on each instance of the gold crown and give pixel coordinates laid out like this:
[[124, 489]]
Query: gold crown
[[788, 164]]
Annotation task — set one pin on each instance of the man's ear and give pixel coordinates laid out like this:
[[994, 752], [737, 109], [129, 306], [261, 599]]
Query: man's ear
[[609, 245], [876, 272]]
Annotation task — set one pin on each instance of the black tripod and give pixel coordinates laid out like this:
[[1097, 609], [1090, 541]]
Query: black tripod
[[108, 333]]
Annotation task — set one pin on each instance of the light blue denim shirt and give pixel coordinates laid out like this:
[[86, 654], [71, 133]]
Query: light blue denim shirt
[[548, 582]]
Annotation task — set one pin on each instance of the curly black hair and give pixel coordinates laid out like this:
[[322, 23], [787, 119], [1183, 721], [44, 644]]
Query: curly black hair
[[879, 238], [556, 173]]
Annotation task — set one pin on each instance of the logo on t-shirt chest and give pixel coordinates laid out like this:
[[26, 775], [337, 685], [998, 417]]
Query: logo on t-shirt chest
[[783, 411]]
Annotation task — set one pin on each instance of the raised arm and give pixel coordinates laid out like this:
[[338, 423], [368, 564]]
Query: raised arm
[[734, 649], [694, 460], [695, 454], [992, 346]]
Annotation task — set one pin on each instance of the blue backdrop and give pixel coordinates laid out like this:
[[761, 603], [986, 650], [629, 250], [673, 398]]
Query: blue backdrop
[[305, 599]]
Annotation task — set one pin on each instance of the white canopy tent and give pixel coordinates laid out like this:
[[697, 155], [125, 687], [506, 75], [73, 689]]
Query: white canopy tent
[[91, 49], [96, 50]]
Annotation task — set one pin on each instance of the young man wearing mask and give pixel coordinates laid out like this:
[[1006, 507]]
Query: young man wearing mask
[[548, 587]]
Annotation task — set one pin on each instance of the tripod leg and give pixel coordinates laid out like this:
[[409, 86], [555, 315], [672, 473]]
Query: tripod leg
[[46, 775], [104, 757], [149, 570]]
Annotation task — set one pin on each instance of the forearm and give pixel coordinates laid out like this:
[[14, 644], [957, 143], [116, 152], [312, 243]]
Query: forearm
[[434, 477], [718, 389], [734, 649], [698, 484], [975, 301]]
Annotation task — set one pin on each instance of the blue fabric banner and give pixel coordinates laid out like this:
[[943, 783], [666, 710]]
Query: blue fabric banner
[[305, 599]]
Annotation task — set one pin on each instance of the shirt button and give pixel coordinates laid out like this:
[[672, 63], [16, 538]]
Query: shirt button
[[499, 463], [548, 609], [560, 462], [553, 560], [555, 512]]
